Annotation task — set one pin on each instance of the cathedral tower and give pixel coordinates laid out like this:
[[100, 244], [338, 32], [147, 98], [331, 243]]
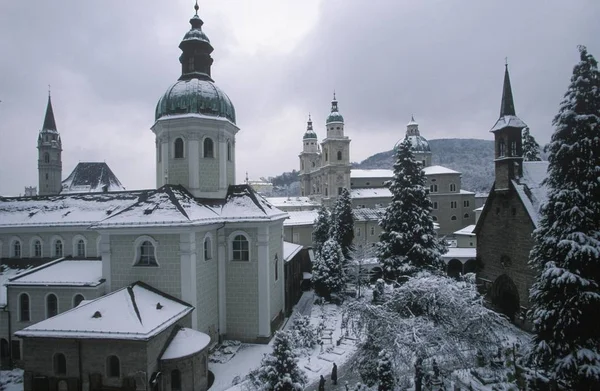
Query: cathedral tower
[[195, 124], [507, 139], [310, 161], [335, 156], [49, 155]]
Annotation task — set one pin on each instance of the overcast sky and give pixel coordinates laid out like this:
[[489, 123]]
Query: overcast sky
[[110, 61]]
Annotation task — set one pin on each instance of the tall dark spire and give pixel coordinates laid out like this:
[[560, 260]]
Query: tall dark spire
[[508, 105], [195, 58], [49, 122]]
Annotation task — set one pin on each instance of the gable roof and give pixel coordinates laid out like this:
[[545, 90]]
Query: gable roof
[[91, 177], [136, 312]]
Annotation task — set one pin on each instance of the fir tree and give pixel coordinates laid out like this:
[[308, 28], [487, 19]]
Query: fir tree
[[385, 373], [342, 224], [531, 149], [566, 294], [279, 370], [321, 229], [328, 274], [408, 242]]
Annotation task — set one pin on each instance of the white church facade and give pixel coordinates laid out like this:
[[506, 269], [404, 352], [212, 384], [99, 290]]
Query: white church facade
[[198, 245]]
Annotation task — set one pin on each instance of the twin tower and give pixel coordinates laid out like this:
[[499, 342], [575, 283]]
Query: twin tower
[[325, 166]]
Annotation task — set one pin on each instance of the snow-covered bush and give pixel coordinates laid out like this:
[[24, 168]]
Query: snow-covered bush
[[328, 274], [385, 373], [379, 291], [279, 370], [304, 334]]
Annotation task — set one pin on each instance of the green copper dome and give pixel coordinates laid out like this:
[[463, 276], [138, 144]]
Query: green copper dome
[[310, 133], [195, 96], [335, 115]]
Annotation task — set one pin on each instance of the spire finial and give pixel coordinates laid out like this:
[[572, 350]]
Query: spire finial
[[412, 118], [506, 62], [196, 7], [334, 95], [309, 119], [507, 106], [49, 91]]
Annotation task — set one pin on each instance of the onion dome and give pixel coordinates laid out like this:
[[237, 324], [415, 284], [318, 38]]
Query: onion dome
[[310, 133], [195, 92], [419, 143], [334, 116]]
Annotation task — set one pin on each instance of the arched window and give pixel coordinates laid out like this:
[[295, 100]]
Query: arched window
[[229, 151], [178, 148], [113, 367], [207, 248], [276, 267], [326, 155], [37, 249], [208, 148], [60, 364], [16, 249], [240, 248], [453, 218], [175, 380], [77, 299], [46, 157], [58, 248], [434, 218], [81, 248], [24, 313], [313, 164], [466, 216], [339, 155], [146, 254], [51, 305], [158, 151]]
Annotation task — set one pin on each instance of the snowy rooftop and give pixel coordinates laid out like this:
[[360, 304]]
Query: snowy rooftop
[[62, 272], [507, 121], [185, 343], [302, 217], [91, 178], [136, 312], [368, 214], [5, 274], [376, 192], [169, 205], [530, 189], [468, 230], [460, 252], [290, 250], [479, 209], [371, 173], [434, 170], [280, 202]]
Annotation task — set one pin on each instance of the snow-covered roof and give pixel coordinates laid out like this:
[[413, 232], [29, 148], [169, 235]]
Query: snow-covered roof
[[377, 173], [290, 250], [167, 206], [466, 192], [136, 312], [280, 202], [62, 272], [374, 192], [434, 170], [530, 189], [91, 178], [460, 252], [468, 230], [507, 121], [5, 274], [185, 343], [480, 209], [368, 214], [301, 217]]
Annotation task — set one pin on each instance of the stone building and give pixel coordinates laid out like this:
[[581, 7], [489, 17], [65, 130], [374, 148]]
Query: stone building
[[197, 242], [510, 215]]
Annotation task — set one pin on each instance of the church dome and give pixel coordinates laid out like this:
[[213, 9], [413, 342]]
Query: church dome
[[419, 144], [334, 115], [310, 133], [199, 96]]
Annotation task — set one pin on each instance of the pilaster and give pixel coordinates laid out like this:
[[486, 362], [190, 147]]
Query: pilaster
[[187, 249], [264, 287], [194, 162], [222, 266], [105, 254]]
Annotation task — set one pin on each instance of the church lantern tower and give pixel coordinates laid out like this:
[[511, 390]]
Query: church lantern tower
[[507, 139], [195, 124], [49, 148], [420, 145], [309, 161], [335, 156]]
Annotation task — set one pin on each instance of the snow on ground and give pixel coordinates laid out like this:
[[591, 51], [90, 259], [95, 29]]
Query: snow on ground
[[314, 362], [11, 380]]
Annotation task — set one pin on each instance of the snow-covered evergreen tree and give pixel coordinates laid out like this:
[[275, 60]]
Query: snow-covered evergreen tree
[[279, 370], [408, 242], [321, 229], [342, 225], [566, 294], [385, 371], [305, 335], [328, 274], [531, 149]]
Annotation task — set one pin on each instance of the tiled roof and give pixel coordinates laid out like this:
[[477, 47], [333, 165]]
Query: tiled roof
[[91, 178]]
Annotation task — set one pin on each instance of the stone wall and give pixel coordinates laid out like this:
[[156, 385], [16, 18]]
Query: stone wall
[[165, 277], [193, 370]]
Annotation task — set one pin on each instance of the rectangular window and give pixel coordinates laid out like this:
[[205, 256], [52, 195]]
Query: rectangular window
[[453, 204], [372, 231], [466, 204], [358, 232], [435, 205]]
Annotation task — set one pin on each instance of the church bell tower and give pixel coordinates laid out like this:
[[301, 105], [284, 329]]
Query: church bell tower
[[49, 155]]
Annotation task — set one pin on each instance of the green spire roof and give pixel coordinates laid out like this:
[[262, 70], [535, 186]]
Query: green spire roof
[[334, 116], [310, 133]]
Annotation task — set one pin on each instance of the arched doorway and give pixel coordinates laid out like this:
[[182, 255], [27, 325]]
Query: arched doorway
[[454, 268], [505, 296], [470, 266]]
